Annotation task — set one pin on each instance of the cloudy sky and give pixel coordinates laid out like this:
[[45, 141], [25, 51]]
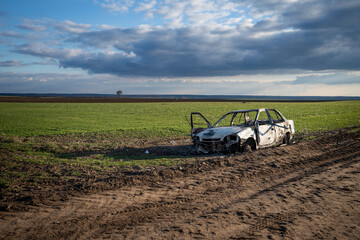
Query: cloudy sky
[[238, 47]]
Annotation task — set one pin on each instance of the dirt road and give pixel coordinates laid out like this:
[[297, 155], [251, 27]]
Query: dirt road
[[309, 190]]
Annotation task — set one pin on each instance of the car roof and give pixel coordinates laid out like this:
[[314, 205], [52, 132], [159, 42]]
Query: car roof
[[248, 110]]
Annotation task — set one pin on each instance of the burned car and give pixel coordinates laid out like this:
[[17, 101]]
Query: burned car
[[243, 130]]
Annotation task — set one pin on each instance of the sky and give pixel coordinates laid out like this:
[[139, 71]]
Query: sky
[[211, 47]]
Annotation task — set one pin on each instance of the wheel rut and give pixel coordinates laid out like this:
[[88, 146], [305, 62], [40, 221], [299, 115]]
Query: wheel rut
[[279, 193]]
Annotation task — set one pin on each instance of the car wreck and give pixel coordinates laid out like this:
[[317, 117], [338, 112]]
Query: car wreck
[[242, 130]]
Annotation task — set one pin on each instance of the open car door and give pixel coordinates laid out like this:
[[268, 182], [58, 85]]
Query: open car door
[[198, 123]]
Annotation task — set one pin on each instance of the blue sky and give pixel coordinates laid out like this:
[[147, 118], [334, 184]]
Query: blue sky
[[268, 47]]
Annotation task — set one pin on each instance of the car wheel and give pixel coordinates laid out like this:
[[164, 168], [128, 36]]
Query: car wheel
[[234, 148], [247, 146], [287, 139]]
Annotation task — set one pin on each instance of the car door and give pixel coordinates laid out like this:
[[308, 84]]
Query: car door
[[198, 123], [278, 123], [265, 130]]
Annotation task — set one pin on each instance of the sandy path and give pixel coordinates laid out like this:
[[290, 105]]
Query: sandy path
[[305, 191]]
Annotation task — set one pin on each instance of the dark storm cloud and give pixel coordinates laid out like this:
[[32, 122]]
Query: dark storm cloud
[[340, 15], [123, 38], [199, 52], [156, 52], [311, 35]]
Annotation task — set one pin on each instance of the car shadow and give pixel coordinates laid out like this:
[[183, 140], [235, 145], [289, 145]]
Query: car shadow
[[133, 153]]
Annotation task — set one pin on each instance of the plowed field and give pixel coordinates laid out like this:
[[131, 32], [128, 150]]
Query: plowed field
[[308, 190]]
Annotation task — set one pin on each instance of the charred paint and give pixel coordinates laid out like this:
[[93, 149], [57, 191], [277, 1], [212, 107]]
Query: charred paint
[[271, 130]]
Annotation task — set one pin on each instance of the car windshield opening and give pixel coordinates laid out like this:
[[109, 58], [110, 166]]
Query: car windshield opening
[[237, 119]]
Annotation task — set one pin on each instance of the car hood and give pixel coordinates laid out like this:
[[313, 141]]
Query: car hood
[[219, 132]]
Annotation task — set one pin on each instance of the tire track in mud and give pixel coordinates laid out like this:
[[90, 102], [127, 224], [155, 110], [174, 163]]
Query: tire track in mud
[[314, 165], [266, 193], [277, 221], [252, 196]]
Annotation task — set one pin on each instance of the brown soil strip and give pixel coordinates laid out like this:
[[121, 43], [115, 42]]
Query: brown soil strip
[[309, 190]]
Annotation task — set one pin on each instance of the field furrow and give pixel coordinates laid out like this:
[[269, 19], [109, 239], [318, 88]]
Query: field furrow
[[302, 191]]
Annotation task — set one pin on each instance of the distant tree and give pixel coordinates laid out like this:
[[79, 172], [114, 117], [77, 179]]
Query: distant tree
[[118, 93]]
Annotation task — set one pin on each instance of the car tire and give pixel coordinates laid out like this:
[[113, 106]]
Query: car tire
[[287, 139], [246, 148]]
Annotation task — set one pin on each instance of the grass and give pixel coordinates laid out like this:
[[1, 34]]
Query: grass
[[45, 141], [157, 119], [32, 161]]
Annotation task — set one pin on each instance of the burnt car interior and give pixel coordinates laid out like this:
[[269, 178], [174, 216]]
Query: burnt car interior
[[236, 130], [198, 123], [275, 117], [268, 117], [237, 119]]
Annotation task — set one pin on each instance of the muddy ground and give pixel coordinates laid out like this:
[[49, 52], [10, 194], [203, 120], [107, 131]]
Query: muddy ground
[[308, 190]]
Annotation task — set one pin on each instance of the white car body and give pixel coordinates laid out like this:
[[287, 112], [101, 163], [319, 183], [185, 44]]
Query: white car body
[[243, 130]]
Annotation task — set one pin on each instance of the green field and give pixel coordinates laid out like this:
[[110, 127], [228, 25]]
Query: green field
[[158, 119], [44, 143]]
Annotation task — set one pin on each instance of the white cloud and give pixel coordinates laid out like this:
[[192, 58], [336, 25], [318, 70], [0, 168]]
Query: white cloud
[[204, 38], [104, 83], [32, 26], [148, 7], [204, 18], [116, 5], [179, 13], [230, 6], [231, 21], [201, 6], [265, 34], [106, 26], [173, 9], [71, 27], [41, 50]]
